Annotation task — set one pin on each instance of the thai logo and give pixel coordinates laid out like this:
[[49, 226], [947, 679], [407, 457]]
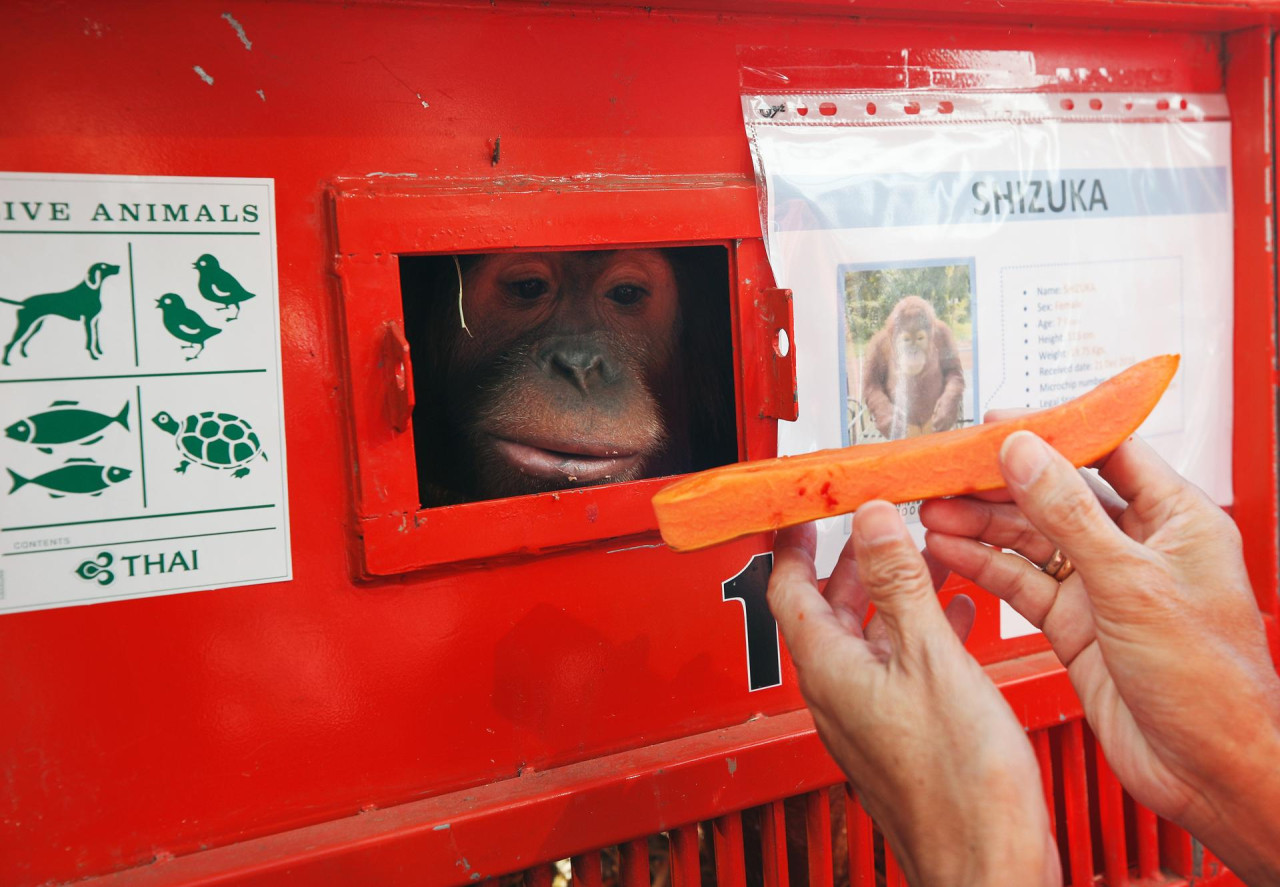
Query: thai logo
[[96, 570], [99, 570]]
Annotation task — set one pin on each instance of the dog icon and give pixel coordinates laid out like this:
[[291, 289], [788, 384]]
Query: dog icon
[[82, 302]]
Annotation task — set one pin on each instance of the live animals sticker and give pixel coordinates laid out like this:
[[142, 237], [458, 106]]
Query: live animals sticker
[[141, 408]]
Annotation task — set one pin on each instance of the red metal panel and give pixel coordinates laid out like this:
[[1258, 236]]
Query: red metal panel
[[258, 722]]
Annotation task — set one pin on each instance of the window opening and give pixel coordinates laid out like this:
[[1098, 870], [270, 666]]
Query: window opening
[[543, 371]]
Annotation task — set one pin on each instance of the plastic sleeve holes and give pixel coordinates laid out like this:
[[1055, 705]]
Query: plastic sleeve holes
[[1095, 104], [827, 109], [912, 107], [1162, 105], [945, 107], [1067, 105], [871, 109], [1182, 104], [782, 344], [802, 110]]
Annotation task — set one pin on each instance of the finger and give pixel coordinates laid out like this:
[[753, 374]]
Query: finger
[[803, 537], [1007, 413], [938, 572], [793, 583], [1148, 483], [1061, 610], [895, 576], [961, 612], [1007, 576], [804, 617], [845, 593], [1058, 502], [875, 632], [1111, 502], [1000, 524]]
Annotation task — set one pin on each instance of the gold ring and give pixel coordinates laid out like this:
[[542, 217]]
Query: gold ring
[[1058, 566]]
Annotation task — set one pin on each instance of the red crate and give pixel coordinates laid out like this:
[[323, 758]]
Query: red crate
[[396, 713]]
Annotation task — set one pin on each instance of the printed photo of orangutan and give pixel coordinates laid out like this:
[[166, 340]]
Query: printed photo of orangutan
[[544, 371], [909, 350]]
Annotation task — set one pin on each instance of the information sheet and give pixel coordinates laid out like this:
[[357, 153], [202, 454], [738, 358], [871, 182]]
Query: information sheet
[[140, 394], [1029, 260]]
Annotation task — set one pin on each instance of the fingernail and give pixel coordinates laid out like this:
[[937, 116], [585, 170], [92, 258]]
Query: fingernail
[[879, 522], [1023, 456]]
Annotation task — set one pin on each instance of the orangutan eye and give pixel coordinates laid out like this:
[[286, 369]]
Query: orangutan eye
[[528, 290], [626, 294]]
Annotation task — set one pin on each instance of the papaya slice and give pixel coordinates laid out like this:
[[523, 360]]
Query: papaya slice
[[725, 503]]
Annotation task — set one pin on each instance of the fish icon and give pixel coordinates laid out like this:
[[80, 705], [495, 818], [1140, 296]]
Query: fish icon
[[65, 423], [76, 476]]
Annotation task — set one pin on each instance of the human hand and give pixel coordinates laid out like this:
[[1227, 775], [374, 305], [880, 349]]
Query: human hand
[[937, 756], [1157, 627]]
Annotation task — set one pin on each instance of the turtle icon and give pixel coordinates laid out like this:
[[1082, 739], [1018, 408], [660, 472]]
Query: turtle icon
[[215, 440]]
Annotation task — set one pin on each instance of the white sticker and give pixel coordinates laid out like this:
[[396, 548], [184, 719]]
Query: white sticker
[[141, 407]]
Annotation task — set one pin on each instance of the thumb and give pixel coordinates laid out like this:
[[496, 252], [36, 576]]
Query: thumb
[[895, 576], [1057, 500]]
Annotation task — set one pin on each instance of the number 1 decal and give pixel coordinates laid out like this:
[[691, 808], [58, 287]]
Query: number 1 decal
[[764, 659]]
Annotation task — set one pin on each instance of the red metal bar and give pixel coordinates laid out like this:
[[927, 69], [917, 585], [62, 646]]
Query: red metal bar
[[1044, 757], [1115, 853], [773, 840], [633, 863], [731, 869], [817, 827], [1130, 13], [862, 850], [1249, 91], [1146, 829], [893, 875], [1175, 850], [586, 870], [1075, 796], [539, 876], [686, 864]]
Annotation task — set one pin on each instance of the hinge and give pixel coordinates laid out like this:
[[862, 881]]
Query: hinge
[[397, 375]]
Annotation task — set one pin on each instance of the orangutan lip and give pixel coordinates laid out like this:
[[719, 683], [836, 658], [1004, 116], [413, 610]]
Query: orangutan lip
[[585, 463]]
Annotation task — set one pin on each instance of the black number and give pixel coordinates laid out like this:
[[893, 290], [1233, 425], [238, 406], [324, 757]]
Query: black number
[[764, 663]]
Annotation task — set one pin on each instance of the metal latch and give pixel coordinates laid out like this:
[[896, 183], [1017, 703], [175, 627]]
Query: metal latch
[[777, 318]]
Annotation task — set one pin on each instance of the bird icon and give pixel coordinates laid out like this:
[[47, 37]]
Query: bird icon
[[219, 286], [183, 323]]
